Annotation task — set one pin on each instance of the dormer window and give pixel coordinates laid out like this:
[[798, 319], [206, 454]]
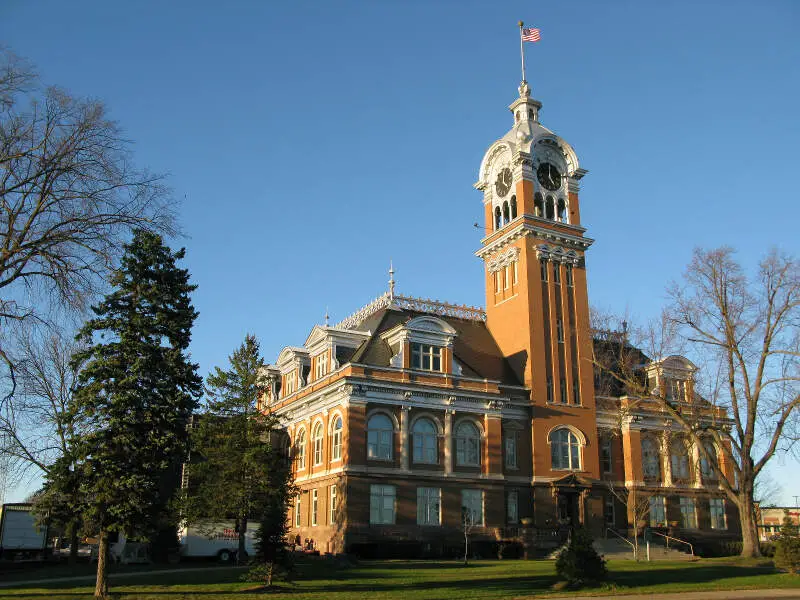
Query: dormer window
[[290, 383], [321, 365], [426, 357]]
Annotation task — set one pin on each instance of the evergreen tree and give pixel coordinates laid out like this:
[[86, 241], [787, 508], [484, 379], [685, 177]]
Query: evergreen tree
[[579, 562], [787, 546], [135, 394], [232, 470]]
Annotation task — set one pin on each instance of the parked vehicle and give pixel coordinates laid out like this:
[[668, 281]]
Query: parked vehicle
[[20, 537], [218, 539]]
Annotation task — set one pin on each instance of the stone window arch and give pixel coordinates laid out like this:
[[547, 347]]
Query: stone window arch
[[498, 218], [425, 441], [679, 460], [336, 437], [513, 205], [561, 211], [318, 438], [506, 213], [538, 205], [707, 464], [468, 444], [300, 448], [651, 459], [550, 210]]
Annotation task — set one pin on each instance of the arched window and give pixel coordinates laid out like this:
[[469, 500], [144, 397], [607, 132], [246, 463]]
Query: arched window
[[651, 459], [679, 460], [468, 445], [300, 449], [513, 207], [538, 205], [425, 442], [549, 212], [317, 437], [506, 216], [380, 435], [562, 211], [565, 450], [336, 441], [706, 465], [498, 219]]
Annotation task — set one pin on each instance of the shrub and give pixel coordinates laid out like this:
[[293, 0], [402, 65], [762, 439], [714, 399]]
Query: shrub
[[579, 562], [787, 546]]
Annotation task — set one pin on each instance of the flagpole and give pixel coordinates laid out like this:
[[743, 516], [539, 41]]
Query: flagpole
[[522, 50]]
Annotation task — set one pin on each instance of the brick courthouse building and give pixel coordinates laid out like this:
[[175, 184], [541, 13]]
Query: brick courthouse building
[[410, 414]]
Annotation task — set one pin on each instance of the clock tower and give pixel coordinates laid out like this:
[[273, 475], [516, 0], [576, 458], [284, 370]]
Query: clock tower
[[536, 298]]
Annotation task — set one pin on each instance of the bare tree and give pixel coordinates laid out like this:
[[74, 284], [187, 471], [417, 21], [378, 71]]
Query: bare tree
[[743, 333], [637, 504], [69, 197], [766, 491]]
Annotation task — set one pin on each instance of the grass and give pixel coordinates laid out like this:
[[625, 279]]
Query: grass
[[409, 580]]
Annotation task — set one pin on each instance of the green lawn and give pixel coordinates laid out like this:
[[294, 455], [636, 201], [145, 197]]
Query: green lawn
[[408, 580]]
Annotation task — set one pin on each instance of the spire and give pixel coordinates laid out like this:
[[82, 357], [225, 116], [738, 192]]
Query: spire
[[391, 280], [525, 108], [327, 317]]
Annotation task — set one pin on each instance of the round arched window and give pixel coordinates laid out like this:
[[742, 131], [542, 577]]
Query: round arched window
[[379, 437], [425, 442], [565, 450], [468, 445]]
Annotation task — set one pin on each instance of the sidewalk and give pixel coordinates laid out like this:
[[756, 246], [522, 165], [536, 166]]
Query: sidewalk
[[710, 595]]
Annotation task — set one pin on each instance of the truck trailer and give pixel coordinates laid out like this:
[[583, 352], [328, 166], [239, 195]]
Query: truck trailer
[[20, 537]]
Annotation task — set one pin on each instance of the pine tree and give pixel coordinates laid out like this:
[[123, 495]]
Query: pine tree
[[136, 393], [787, 546], [232, 472], [579, 562]]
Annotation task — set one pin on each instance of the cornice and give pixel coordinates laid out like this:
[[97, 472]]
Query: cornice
[[526, 228]]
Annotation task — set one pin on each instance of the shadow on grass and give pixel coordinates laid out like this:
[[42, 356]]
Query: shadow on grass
[[692, 575]]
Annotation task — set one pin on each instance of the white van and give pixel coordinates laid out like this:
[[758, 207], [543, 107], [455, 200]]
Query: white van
[[218, 539]]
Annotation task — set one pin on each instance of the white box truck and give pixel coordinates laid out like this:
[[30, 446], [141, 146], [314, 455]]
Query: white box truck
[[20, 537], [218, 539]]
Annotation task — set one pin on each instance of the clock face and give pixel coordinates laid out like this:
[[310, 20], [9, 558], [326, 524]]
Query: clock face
[[503, 183], [549, 176]]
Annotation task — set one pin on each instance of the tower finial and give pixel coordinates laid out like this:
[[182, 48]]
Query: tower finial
[[391, 280], [327, 317]]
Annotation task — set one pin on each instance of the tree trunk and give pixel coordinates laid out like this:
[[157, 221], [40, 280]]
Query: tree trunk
[[270, 569], [73, 545], [101, 585], [750, 544], [242, 551]]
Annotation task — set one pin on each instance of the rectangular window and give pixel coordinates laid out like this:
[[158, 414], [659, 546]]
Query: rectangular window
[[426, 357], [507, 277], [658, 512], [550, 388], [332, 504], [381, 504], [289, 383], [576, 390], [609, 513], [605, 455], [514, 277], [560, 331], [556, 274], [512, 507], [543, 268], [563, 391], [688, 513], [429, 503], [496, 282], [570, 278], [472, 507], [322, 365], [717, 510], [297, 512], [511, 451], [314, 506]]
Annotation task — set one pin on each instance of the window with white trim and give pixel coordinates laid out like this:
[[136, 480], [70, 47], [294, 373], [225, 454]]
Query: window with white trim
[[556, 273], [658, 511], [314, 506], [429, 506], [565, 450], [317, 440], [332, 504], [679, 460], [472, 507], [336, 439], [380, 437], [570, 276], [688, 513], [651, 459], [426, 357], [381, 504], [510, 444], [507, 277], [300, 449], [514, 274], [717, 511], [605, 455], [543, 269], [609, 511], [290, 383], [468, 445], [560, 331], [322, 363], [706, 465], [426, 443], [512, 507], [297, 511]]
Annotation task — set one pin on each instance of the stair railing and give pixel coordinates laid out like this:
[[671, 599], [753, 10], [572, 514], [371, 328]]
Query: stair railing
[[669, 537], [624, 539]]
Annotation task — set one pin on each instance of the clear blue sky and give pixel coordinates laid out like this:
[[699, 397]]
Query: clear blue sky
[[313, 141]]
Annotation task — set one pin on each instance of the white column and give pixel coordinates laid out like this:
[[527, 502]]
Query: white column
[[448, 441], [695, 454], [666, 464], [404, 437]]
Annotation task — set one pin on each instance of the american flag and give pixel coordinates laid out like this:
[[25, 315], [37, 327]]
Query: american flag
[[530, 35]]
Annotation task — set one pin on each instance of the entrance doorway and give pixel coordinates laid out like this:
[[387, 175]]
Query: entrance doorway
[[568, 513]]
